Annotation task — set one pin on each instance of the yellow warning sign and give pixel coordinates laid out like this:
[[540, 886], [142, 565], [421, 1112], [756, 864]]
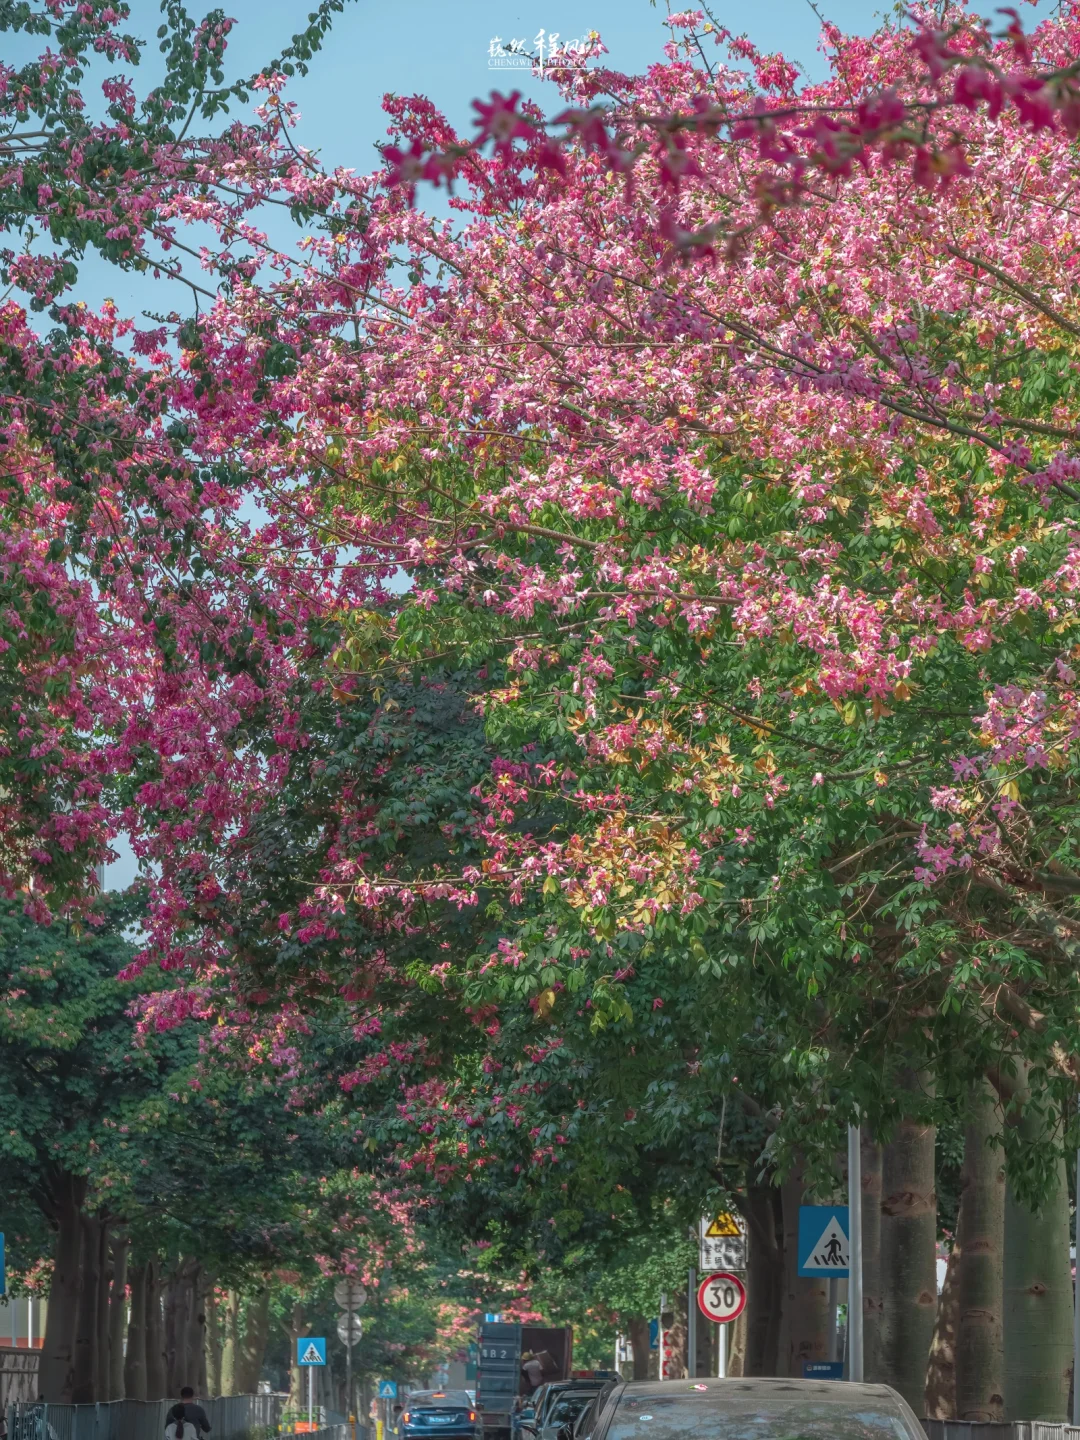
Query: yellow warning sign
[[724, 1224]]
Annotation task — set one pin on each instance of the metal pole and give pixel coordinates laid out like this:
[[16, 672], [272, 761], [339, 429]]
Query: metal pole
[[660, 1334], [349, 1411], [833, 1285], [721, 1352], [311, 1397], [691, 1324], [855, 1274]]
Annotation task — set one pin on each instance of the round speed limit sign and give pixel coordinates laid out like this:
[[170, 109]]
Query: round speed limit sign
[[721, 1297]]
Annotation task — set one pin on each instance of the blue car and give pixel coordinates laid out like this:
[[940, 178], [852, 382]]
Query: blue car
[[430, 1413]]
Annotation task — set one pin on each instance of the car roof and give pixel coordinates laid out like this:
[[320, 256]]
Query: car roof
[[842, 1390]]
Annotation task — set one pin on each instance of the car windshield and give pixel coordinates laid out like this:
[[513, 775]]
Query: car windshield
[[566, 1407], [439, 1398], [752, 1415]]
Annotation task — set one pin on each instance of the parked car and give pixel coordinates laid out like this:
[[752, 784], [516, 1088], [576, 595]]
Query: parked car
[[430, 1413], [766, 1409], [521, 1419], [562, 1401]]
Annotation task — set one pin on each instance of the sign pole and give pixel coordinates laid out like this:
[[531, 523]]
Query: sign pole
[[855, 1269], [721, 1353], [691, 1324], [834, 1285], [660, 1333], [310, 1398], [349, 1410]]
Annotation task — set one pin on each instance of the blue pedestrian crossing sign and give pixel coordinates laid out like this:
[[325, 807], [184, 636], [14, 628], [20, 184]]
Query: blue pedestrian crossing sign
[[311, 1350], [824, 1248], [387, 1389]]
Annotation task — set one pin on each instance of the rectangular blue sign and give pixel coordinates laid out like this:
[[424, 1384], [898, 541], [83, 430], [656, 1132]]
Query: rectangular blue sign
[[823, 1240], [311, 1350], [823, 1369], [387, 1389]]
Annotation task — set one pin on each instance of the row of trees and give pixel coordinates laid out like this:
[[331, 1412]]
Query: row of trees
[[713, 784]]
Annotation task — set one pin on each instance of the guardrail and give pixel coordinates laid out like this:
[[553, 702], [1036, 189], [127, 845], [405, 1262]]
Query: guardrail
[[231, 1417], [999, 1430]]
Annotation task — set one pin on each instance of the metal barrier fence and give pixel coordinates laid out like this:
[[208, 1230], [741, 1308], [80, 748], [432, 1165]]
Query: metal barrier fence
[[230, 1416], [999, 1430], [18, 1376], [336, 1432]]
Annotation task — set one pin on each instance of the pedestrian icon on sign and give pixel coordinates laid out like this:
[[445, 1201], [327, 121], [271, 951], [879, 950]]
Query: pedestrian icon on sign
[[311, 1350], [823, 1240]]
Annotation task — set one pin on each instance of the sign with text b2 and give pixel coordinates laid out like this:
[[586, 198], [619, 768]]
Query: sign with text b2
[[311, 1350]]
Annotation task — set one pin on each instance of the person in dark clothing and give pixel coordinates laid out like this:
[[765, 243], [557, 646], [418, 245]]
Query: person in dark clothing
[[187, 1410]]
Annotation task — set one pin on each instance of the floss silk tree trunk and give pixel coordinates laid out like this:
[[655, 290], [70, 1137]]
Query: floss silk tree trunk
[[908, 1245], [980, 1382], [805, 1316], [871, 1218], [1038, 1284]]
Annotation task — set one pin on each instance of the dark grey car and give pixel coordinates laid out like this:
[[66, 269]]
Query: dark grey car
[[767, 1409]]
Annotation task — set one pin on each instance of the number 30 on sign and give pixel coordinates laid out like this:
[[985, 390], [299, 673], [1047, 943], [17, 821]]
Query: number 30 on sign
[[721, 1297]]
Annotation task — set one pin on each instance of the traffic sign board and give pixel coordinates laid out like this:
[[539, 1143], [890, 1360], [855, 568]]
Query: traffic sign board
[[387, 1389], [721, 1297], [311, 1350], [350, 1328], [721, 1225], [823, 1369], [722, 1242], [350, 1294], [823, 1240]]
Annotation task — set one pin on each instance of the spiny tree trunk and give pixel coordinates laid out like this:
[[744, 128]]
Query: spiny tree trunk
[[103, 1374], [192, 1343], [183, 1327], [253, 1345], [980, 1380], [736, 1360], [57, 1373], [230, 1353], [871, 1155], [675, 1341], [213, 1342], [639, 1342], [1037, 1289], [135, 1359], [200, 1289], [765, 1280], [805, 1319], [941, 1366], [155, 1339], [298, 1326], [172, 1300], [908, 1243], [86, 1327], [117, 1317]]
